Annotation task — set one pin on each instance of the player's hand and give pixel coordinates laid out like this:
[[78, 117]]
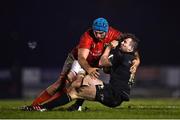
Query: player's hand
[[131, 80], [93, 72], [133, 69], [114, 43]]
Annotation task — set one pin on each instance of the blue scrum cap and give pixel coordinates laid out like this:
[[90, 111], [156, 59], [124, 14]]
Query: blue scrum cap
[[100, 24]]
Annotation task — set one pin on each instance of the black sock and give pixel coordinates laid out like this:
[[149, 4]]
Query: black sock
[[64, 99], [79, 102]]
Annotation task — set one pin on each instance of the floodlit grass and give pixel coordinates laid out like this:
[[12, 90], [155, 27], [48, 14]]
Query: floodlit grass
[[134, 109]]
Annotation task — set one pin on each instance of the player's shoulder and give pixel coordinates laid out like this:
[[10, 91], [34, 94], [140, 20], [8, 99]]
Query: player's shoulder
[[88, 34], [112, 29], [86, 38]]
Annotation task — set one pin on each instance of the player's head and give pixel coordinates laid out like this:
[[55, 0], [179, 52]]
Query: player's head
[[128, 42], [100, 27]]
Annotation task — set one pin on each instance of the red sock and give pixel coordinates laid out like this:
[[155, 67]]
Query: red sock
[[57, 95], [44, 96]]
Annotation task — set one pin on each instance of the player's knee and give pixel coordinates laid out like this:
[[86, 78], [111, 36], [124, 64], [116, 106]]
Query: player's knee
[[73, 94]]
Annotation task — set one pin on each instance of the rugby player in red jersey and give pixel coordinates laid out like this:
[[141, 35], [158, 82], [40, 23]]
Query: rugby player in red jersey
[[86, 56]]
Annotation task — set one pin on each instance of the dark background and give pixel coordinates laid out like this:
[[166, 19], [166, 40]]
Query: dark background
[[55, 26]]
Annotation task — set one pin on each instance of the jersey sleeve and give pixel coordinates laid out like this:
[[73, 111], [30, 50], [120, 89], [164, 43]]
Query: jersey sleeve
[[85, 41]]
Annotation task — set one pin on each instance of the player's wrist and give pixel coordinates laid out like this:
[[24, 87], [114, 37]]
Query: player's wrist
[[110, 45]]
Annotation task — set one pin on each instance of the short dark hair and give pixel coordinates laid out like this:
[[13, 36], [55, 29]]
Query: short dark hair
[[135, 40]]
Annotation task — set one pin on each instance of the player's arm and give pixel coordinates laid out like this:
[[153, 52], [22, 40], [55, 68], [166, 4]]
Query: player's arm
[[82, 56], [104, 60], [135, 63]]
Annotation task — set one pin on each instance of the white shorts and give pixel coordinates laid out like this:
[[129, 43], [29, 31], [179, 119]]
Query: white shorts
[[76, 68]]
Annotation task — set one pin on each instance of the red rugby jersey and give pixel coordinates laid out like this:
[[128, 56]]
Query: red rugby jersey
[[96, 47]]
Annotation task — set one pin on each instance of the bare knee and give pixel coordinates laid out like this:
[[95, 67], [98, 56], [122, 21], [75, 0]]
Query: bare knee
[[73, 94]]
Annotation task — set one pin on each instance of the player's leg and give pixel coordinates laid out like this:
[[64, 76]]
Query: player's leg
[[59, 84], [87, 91], [79, 102], [68, 94], [77, 105], [61, 100], [96, 90], [56, 95], [88, 88], [107, 96], [47, 93], [64, 99], [75, 68]]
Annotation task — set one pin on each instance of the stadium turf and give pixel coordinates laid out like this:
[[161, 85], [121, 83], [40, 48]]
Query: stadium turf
[[134, 109]]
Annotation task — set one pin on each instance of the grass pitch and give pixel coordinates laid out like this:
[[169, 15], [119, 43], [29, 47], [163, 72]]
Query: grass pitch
[[134, 109]]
